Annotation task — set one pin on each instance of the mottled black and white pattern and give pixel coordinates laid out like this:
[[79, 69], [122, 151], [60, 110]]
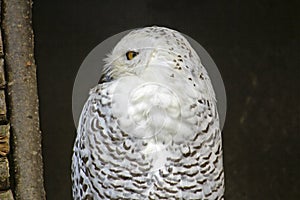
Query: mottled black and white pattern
[[150, 129]]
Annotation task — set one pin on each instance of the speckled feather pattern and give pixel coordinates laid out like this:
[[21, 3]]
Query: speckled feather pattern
[[114, 158]]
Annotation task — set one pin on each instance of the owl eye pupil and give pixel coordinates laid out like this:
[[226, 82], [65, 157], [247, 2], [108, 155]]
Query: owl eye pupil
[[131, 54]]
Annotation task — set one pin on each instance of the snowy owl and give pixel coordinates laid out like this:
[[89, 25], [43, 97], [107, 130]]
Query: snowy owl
[[150, 128]]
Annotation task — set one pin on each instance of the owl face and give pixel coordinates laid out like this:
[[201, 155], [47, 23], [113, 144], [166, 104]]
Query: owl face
[[132, 55]]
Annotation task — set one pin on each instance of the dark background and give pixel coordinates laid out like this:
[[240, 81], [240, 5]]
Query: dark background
[[255, 45]]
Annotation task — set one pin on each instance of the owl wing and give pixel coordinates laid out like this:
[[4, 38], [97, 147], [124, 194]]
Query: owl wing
[[104, 164], [208, 144], [85, 161]]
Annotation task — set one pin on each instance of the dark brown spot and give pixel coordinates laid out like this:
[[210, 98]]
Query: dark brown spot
[[201, 182], [201, 76], [203, 171], [206, 130], [125, 146], [85, 159], [201, 101], [207, 157], [84, 187], [204, 164], [183, 188], [218, 151], [219, 176], [193, 106]]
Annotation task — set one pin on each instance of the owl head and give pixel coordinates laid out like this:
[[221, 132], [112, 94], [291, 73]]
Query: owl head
[[135, 51]]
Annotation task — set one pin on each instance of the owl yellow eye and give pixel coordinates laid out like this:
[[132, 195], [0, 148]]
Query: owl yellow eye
[[131, 54]]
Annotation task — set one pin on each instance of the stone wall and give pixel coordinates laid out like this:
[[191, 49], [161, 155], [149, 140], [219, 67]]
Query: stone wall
[[5, 186]]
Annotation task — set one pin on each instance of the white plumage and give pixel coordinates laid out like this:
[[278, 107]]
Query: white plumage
[[150, 129]]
